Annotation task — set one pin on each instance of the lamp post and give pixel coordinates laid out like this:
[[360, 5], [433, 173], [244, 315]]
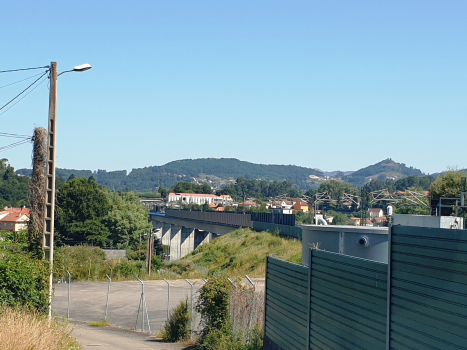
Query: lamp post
[[48, 236]]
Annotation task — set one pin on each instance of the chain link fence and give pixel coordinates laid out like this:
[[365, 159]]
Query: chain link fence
[[127, 305]]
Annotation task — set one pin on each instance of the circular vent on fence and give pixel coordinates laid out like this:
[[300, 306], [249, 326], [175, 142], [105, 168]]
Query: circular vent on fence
[[363, 241]]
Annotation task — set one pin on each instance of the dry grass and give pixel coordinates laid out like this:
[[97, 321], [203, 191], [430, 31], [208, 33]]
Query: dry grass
[[21, 330], [238, 253]]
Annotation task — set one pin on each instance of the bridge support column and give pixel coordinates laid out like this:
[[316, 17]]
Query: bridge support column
[[188, 241], [166, 228], [157, 225], [175, 242], [201, 237]]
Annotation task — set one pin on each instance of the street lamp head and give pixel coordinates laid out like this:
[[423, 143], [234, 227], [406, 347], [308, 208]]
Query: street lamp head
[[82, 67]]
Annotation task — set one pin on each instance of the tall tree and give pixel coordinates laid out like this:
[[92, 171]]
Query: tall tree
[[336, 189], [448, 184], [82, 207], [127, 219]]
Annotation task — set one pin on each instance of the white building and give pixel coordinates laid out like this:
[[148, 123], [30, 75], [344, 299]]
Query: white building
[[375, 213], [194, 198], [14, 219]]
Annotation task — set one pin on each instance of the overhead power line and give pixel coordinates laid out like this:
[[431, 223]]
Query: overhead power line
[[7, 134], [19, 81], [24, 96], [14, 98], [17, 70], [13, 145]]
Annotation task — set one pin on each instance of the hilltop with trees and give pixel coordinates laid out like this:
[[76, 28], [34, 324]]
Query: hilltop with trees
[[386, 169], [222, 172]]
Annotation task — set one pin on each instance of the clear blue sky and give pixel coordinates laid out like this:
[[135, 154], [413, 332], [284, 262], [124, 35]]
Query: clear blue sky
[[323, 84]]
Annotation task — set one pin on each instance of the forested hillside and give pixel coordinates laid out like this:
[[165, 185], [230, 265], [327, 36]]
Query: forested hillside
[[386, 169], [223, 172], [214, 171]]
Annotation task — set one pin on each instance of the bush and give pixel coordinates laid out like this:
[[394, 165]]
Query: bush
[[213, 304], [129, 268], [156, 263], [77, 259], [138, 254], [219, 339], [24, 282], [177, 327]]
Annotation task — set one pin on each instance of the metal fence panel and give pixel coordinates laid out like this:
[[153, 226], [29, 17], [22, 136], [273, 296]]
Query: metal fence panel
[[286, 301], [286, 231], [428, 288], [231, 219], [348, 302]]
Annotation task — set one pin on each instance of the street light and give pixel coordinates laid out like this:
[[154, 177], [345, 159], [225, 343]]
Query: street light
[[80, 68], [48, 236]]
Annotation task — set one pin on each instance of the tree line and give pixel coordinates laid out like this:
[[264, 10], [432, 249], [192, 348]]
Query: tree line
[[89, 213]]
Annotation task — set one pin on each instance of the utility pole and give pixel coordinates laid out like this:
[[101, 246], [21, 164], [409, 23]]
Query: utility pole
[[48, 238], [150, 249]]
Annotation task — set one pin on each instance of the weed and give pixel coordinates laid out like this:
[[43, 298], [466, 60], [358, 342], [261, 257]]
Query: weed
[[98, 324]]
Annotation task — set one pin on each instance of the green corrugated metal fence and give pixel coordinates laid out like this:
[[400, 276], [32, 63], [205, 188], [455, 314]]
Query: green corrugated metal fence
[[428, 275], [342, 302], [284, 230], [348, 302], [286, 298], [343, 307]]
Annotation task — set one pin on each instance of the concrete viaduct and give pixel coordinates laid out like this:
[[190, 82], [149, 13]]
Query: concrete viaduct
[[184, 231]]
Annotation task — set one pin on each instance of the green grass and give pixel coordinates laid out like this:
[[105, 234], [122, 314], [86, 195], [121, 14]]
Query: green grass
[[238, 253], [98, 324]]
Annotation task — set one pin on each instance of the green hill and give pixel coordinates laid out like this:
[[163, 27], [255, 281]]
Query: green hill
[[238, 253], [221, 172], [386, 169], [216, 172]]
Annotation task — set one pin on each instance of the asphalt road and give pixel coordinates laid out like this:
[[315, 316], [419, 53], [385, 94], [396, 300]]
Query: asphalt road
[[108, 338], [88, 301]]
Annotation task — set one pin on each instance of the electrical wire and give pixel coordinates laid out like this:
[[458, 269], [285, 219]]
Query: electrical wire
[[19, 81], [14, 104], [7, 134], [14, 98], [17, 70], [15, 144]]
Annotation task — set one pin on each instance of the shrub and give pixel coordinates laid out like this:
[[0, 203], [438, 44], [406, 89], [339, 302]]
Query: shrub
[[24, 282], [129, 268], [177, 327], [138, 254], [219, 339], [156, 263], [77, 260], [213, 304]]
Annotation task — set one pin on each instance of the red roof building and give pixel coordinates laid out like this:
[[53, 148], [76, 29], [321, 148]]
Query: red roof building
[[14, 219]]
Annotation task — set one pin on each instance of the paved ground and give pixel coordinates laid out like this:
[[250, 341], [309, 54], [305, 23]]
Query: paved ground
[[88, 301], [108, 338]]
